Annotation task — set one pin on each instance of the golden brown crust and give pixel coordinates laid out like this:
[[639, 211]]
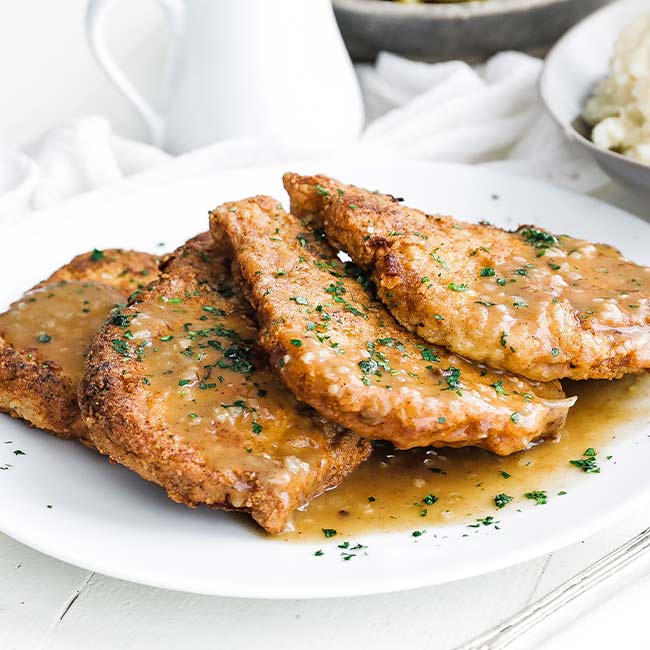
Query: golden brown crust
[[39, 390], [338, 349], [541, 305], [129, 421]]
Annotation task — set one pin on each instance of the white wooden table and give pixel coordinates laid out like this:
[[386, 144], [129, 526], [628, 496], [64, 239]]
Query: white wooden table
[[46, 604]]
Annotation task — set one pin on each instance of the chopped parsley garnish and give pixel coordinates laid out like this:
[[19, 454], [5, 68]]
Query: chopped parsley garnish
[[487, 272], [329, 532], [418, 533], [555, 351], [429, 499], [498, 387], [441, 420], [538, 238], [504, 474], [587, 464], [321, 190], [502, 500], [429, 355], [319, 553], [184, 382], [296, 342], [166, 338], [457, 287], [44, 338], [19, 452], [504, 336], [121, 347], [515, 417], [452, 377], [97, 255], [257, 427], [539, 496], [301, 300], [438, 259], [484, 521], [121, 320], [485, 303]]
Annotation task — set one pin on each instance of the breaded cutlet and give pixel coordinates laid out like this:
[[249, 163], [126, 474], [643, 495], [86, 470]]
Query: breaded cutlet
[[177, 389], [338, 348], [539, 304], [44, 335]]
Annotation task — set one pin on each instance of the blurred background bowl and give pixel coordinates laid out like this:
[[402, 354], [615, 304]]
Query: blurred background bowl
[[571, 71], [472, 31]]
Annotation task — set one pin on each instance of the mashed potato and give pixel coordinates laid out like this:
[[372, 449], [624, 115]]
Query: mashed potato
[[620, 107]]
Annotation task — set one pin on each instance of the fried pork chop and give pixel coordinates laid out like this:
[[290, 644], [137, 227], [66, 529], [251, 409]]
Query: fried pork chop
[[337, 348], [177, 390], [540, 305], [44, 335]]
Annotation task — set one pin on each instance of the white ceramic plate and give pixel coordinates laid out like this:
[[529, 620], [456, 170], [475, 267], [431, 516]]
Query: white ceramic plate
[[105, 518]]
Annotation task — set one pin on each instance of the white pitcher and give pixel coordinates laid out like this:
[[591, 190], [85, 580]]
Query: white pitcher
[[274, 68]]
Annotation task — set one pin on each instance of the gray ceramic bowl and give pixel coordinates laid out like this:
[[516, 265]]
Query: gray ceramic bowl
[[467, 30], [572, 69]]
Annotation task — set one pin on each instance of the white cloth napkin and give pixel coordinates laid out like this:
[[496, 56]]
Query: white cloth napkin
[[490, 115]]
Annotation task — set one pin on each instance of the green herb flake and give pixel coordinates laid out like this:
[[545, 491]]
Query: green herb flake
[[538, 496], [329, 532], [502, 500], [588, 464], [487, 272], [97, 255], [429, 355], [460, 288], [44, 338]]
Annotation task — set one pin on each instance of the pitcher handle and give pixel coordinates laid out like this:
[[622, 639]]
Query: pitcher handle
[[96, 13]]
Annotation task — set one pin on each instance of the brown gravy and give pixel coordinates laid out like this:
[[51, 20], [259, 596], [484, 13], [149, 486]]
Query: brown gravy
[[58, 321], [388, 492]]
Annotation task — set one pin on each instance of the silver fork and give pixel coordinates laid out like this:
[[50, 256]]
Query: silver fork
[[512, 628]]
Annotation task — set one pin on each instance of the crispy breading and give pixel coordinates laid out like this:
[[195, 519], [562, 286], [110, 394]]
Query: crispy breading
[[177, 390], [541, 305], [337, 348], [44, 334]]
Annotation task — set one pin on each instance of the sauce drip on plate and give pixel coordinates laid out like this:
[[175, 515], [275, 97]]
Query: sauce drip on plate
[[421, 488]]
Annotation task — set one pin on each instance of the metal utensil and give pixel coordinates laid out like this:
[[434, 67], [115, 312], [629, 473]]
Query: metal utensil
[[512, 628]]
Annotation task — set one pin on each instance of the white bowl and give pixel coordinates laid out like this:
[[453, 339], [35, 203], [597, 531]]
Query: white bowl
[[573, 67], [18, 180]]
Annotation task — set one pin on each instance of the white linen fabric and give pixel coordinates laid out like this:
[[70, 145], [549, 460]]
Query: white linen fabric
[[489, 115]]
